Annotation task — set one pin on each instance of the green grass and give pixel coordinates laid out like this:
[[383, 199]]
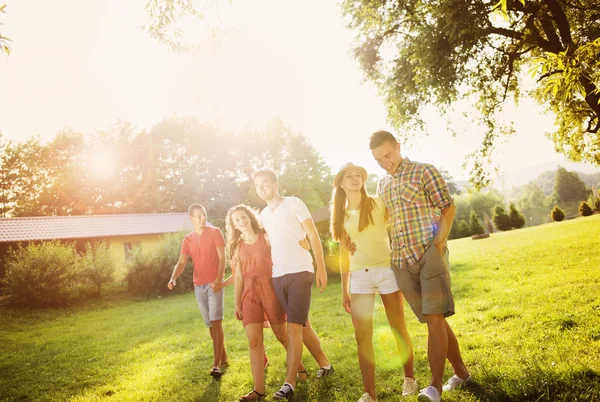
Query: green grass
[[528, 322]]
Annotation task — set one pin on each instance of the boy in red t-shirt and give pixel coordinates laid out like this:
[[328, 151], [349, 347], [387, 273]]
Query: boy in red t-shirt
[[206, 246]]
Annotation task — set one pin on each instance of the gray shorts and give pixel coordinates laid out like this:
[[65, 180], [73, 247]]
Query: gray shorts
[[294, 292], [426, 284], [211, 304]]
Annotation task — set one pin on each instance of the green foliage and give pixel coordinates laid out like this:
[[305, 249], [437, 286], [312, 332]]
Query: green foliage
[[585, 209], [97, 265], [517, 220], [475, 226], [420, 53], [557, 214], [162, 170], [4, 47], [569, 187], [149, 271], [42, 275], [501, 219], [460, 229]]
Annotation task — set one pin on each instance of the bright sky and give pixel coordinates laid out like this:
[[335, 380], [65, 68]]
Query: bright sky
[[87, 64]]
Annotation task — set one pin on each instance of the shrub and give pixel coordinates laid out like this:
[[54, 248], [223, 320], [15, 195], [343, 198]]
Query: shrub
[[475, 226], [585, 209], [42, 275], [501, 220], [557, 214], [463, 229], [148, 271], [97, 265], [517, 220]]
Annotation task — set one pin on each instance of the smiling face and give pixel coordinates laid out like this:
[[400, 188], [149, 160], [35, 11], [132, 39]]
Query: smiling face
[[265, 187], [388, 156], [198, 217], [241, 221], [352, 180]]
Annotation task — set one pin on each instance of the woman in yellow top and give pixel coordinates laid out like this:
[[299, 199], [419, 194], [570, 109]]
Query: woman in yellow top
[[361, 220]]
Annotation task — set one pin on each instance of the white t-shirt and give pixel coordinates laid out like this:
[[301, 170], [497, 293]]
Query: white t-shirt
[[285, 231]]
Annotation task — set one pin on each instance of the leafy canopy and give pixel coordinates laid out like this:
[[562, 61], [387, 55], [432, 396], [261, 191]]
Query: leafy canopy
[[439, 52]]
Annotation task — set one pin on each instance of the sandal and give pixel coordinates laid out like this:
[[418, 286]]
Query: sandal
[[302, 375], [216, 373], [248, 398]]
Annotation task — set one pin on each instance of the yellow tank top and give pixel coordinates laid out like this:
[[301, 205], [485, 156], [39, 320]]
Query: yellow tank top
[[372, 244]]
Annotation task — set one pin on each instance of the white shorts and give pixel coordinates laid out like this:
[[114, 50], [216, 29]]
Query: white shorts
[[373, 280]]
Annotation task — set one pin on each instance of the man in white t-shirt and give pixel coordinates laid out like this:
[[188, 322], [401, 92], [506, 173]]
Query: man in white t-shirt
[[287, 221]]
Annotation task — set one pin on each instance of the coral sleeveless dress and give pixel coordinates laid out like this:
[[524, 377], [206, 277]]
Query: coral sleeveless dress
[[259, 301]]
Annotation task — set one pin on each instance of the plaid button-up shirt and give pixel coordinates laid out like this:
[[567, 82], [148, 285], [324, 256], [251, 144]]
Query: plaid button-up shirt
[[414, 197]]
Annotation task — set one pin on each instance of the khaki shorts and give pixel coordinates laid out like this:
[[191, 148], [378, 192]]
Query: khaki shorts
[[426, 284]]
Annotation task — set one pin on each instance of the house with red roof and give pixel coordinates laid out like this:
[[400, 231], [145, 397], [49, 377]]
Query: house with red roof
[[121, 232]]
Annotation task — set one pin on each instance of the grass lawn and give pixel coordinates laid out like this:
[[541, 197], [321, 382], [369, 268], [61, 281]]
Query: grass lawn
[[528, 322]]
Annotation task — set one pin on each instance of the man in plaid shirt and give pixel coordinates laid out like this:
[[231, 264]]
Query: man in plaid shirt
[[421, 212]]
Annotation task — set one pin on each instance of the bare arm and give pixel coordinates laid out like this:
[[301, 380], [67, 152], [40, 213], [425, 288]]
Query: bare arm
[[231, 280], [216, 284], [177, 270], [345, 271], [446, 219], [315, 242]]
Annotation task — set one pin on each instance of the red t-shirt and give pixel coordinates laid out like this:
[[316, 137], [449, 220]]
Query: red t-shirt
[[203, 250]]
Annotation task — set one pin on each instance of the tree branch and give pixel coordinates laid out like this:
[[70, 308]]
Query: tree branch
[[550, 32], [549, 74], [561, 21]]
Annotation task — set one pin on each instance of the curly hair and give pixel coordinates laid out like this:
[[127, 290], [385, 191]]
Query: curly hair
[[234, 235]]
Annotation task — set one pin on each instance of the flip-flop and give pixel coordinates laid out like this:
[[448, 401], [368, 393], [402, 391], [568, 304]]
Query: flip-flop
[[216, 373]]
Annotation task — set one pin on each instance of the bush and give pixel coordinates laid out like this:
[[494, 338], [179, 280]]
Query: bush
[[42, 275], [517, 220], [557, 214], [97, 265], [149, 271], [501, 220], [585, 209], [475, 226]]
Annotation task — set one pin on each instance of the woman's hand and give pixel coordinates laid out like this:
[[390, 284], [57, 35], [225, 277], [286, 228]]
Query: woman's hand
[[346, 302], [238, 311], [305, 244]]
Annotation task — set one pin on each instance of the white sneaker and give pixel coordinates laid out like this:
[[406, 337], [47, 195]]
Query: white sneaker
[[410, 386], [454, 382], [366, 398], [429, 394]]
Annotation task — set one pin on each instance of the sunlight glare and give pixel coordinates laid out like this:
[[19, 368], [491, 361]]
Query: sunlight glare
[[101, 163]]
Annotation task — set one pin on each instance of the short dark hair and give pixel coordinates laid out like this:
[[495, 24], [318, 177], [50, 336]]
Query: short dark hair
[[265, 171], [194, 207], [381, 136]]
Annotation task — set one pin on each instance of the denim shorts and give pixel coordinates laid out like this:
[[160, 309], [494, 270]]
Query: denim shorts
[[211, 304]]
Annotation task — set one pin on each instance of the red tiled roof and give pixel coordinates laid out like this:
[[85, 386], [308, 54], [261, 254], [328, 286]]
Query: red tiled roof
[[89, 226]]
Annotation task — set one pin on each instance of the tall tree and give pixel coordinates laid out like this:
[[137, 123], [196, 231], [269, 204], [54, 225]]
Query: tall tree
[[439, 52], [569, 187]]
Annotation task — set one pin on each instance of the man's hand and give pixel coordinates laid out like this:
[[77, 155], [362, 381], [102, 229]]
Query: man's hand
[[216, 285], [238, 312], [321, 277], [346, 302], [350, 245], [171, 284], [441, 246]]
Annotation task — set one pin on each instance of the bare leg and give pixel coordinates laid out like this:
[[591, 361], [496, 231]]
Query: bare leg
[[216, 333], [362, 319], [454, 356], [313, 344], [437, 348], [394, 310], [224, 358], [254, 332], [294, 351], [280, 332]]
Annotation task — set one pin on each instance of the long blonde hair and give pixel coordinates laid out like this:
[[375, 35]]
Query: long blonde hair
[[338, 211], [234, 236]]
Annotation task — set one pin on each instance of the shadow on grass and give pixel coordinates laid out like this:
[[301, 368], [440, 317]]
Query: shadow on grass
[[538, 386]]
